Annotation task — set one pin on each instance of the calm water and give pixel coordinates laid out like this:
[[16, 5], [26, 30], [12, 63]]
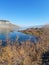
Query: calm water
[[13, 36]]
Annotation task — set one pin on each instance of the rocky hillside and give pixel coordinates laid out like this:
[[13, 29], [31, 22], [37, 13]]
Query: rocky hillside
[[6, 25]]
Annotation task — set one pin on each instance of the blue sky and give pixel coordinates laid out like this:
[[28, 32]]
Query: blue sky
[[25, 12]]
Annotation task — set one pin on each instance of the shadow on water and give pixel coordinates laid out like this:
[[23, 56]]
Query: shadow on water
[[45, 58]]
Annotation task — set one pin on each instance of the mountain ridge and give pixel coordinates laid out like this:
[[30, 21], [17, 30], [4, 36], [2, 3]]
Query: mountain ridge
[[7, 25]]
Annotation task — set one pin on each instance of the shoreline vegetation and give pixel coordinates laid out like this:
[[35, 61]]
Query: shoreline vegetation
[[24, 53], [27, 52]]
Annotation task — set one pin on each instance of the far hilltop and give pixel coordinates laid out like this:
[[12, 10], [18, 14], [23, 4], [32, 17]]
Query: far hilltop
[[7, 25]]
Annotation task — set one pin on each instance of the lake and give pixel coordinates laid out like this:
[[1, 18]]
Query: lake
[[19, 36]]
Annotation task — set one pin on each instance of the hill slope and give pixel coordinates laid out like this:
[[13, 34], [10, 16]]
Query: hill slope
[[6, 25]]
